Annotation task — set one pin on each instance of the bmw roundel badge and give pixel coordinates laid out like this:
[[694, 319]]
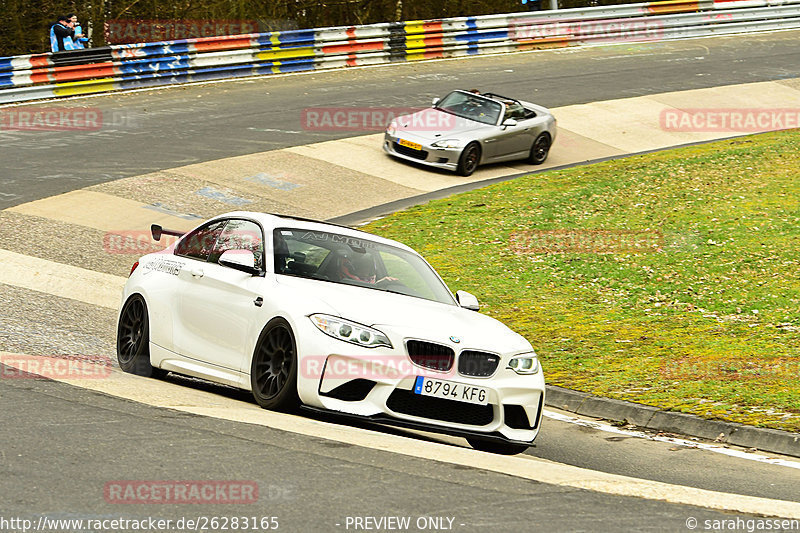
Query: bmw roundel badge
[[455, 339]]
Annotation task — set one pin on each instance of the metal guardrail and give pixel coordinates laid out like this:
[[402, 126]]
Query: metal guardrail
[[129, 66]]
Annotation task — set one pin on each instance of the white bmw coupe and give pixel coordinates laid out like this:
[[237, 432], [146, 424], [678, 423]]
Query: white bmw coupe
[[306, 313]]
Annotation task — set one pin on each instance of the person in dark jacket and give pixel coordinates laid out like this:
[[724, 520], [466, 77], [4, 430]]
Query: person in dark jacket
[[61, 35]]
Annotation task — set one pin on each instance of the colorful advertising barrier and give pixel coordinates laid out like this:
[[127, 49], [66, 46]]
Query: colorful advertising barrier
[[152, 64]]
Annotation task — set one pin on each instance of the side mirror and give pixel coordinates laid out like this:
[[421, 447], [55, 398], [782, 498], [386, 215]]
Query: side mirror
[[467, 301], [435, 101], [510, 122], [241, 260], [155, 229]]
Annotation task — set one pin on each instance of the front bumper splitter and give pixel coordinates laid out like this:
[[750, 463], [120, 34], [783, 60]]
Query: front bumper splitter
[[420, 426]]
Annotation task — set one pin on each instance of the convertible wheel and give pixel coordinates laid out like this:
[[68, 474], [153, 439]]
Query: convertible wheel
[[133, 339], [469, 159], [500, 448], [273, 374], [540, 149]]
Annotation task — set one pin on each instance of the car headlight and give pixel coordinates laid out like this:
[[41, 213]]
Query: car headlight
[[447, 143], [525, 364], [348, 331], [391, 128]]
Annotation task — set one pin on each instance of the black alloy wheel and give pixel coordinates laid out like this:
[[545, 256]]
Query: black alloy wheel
[[273, 373], [540, 149], [133, 339], [469, 159]]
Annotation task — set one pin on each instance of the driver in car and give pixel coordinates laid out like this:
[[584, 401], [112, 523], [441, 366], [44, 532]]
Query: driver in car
[[361, 268]]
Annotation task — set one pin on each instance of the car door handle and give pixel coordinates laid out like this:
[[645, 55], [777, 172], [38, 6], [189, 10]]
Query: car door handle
[[196, 272], [259, 301]]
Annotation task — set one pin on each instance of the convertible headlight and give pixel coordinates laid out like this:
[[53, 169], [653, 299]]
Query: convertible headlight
[[348, 331], [525, 364], [447, 143], [391, 128]]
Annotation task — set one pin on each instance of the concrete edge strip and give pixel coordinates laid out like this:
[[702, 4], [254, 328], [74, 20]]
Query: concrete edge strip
[[653, 418], [136, 389], [365, 216], [671, 439]]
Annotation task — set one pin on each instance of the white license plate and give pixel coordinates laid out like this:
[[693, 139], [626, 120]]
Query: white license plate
[[450, 390]]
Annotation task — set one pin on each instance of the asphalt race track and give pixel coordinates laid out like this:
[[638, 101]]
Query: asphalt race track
[[160, 129], [62, 443], [70, 438]]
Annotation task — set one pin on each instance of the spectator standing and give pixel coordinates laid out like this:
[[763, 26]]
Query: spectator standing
[[61, 35], [532, 5], [78, 37]]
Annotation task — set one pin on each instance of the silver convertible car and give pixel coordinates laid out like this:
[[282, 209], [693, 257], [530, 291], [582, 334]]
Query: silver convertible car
[[466, 129]]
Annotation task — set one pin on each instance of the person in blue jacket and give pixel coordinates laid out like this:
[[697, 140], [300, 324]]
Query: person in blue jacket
[[61, 35], [78, 37]]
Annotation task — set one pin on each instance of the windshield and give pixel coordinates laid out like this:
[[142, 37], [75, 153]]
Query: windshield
[[471, 106], [356, 261]]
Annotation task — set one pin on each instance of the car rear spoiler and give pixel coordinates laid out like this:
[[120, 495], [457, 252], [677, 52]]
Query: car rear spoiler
[[158, 231]]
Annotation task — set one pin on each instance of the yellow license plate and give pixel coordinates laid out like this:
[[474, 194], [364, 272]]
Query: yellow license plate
[[409, 144]]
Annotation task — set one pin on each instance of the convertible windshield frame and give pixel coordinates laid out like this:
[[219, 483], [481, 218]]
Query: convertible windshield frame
[[472, 106]]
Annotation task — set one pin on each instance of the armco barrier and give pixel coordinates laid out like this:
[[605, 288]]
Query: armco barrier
[[129, 66]]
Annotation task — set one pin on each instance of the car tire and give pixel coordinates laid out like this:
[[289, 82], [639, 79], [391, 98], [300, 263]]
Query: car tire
[[133, 339], [540, 149], [273, 372], [493, 446], [469, 159]]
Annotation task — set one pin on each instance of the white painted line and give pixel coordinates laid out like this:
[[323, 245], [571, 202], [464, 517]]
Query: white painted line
[[671, 440], [58, 279], [181, 398]]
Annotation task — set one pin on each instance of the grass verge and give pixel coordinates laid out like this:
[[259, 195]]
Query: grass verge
[[670, 279]]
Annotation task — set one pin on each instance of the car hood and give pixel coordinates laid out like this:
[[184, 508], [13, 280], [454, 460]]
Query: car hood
[[432, 124], [401, 316]]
